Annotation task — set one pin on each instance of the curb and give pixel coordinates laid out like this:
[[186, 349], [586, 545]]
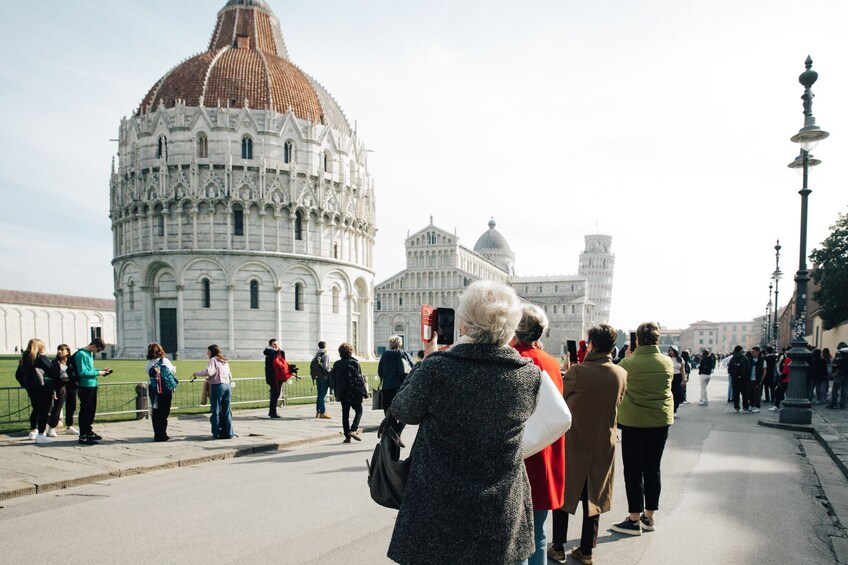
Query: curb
[[828, 440], [41, 486]]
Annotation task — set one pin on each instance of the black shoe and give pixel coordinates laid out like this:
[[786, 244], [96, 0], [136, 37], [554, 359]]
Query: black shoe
[[86, 440], [628, 527], [274, 416], [647, 523], [94, 436]]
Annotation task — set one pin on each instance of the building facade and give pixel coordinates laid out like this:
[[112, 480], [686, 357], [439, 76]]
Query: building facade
[[242, 208], [438, 268], [54, 319]]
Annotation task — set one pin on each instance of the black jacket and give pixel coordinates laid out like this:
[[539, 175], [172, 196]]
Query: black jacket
[[390, 369], [347, 382], [270, 355]]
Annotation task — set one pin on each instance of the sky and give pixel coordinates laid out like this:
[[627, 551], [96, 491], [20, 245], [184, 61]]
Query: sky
[[664, 123]]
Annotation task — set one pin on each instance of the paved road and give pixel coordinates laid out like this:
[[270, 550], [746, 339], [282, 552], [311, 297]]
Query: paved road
[[734, 492]]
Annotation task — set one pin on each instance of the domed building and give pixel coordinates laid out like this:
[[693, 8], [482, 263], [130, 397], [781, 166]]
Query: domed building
[[242, 208], [438, 268]]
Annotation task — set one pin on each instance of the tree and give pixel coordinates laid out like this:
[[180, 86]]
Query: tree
[[831, 274]]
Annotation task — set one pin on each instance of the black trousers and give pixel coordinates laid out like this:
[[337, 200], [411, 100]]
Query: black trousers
[[780, 393], [589, 532], [740, 387], [58, 403], [88, 406], [641, 453], [677, 389], [388, 397], [41, 400], [768, 388], [351, 427], [275, 390], [755, 391], [159, 415]]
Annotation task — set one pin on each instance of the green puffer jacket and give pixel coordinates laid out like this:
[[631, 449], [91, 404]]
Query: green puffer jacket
[[647, 401]]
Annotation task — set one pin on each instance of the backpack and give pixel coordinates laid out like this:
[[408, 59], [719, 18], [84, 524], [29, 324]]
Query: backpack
[[71, 371], [737, 365], [316, 368], [282, 372], [21, 376], [840, 363], [162, 379]]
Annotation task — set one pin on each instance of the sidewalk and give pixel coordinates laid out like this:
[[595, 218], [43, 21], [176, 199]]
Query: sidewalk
[[128, 447]]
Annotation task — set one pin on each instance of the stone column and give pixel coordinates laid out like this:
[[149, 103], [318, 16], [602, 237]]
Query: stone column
[[293, 219], [194, 230], [262, 229], [320, 312], [231, 322], [119, 321], [148, 316], [350, 298], [278, 297], [180, 321], [277, 218]]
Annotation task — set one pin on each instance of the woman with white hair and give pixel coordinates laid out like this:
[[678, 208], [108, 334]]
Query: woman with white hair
[[467, 497]]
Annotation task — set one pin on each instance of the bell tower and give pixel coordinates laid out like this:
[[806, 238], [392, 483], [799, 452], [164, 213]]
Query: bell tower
[[597, 264]]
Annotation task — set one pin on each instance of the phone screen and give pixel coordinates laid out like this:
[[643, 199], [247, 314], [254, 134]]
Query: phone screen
[[445, 321], [632, 341], [572, 350]]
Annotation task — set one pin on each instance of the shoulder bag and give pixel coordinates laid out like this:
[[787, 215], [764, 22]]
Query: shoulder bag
[[387, 474], [549, 421]]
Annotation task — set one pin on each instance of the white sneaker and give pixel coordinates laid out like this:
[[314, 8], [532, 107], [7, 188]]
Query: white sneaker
[[755, 410], [774, 409], [703, 404], [72, 430], [42, 438], [52, 433], [32, 434]]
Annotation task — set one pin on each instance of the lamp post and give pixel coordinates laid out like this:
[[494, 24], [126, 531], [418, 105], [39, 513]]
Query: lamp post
[[768, 318], [776, 275], [796, 406]]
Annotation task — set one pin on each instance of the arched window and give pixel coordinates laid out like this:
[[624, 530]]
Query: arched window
[[160, 224], [298, 296], [238, 221], [254, 295], [335, 251], [246, 147], [162, 148], [288, 152], [132, 295], [298, 226], [133, 156], [335, 300], [328, 165], [207, 293], [202, 145]]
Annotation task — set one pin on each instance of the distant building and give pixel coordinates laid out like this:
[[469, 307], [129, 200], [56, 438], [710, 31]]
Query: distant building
[[438, 269], [54, 319], [720, 337]]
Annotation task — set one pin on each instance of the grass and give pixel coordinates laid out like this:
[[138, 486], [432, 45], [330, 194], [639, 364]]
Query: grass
[[252, 390]]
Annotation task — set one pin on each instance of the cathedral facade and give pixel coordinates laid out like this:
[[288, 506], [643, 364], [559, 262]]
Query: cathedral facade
[[241, 205], [438, 268]]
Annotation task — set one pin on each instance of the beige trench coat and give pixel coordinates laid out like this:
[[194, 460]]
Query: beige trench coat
[[593, 391]]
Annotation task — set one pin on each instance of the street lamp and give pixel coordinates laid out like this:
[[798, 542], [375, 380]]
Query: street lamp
[[776, 275], [768, 318], [796, 406]]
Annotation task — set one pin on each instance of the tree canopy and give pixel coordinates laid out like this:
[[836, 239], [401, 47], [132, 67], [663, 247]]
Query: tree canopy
[[831, 274]]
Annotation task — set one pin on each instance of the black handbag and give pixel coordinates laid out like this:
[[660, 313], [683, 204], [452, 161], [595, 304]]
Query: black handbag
[[377, 399], [387, 473]]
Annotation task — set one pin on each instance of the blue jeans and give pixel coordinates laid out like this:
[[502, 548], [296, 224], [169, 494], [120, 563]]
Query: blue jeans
[[323, 384], [540, 536], [222, 417]]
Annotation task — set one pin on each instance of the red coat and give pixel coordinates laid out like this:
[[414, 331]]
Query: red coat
[[546, 469]]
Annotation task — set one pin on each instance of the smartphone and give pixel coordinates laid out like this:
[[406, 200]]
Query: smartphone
[[109, 372], [572, 350], [632, 341], [428, 321], [445, 325]]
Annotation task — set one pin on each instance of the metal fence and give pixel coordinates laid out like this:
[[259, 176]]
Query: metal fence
[[129, 399]]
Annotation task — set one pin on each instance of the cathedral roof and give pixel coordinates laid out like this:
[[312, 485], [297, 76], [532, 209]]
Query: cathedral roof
[[491, 240], [246, 64]]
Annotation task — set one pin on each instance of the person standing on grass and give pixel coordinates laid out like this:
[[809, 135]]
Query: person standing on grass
[[161, 399], [41, 397], [217, 373], [271, 353], [644, 417], [88, 374]]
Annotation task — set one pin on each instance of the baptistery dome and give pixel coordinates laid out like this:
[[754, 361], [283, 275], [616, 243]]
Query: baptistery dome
[[241, 204]]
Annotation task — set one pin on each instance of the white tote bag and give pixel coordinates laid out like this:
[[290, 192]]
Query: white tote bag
[[549, 421]]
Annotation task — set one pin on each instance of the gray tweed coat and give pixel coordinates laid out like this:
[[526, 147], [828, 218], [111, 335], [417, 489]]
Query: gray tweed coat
[[467, 499]]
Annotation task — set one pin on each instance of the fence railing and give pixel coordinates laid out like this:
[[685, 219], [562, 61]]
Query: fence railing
[[129, 399]]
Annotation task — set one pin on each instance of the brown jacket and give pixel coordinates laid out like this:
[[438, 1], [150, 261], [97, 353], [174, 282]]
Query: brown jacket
[[593, 391]]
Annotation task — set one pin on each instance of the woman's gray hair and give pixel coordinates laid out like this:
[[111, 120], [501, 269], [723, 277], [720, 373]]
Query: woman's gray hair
[[533, 324], [395, 342], [490, 311]]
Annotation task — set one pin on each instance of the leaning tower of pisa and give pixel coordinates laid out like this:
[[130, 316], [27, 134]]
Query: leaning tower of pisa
[[597, 264]]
